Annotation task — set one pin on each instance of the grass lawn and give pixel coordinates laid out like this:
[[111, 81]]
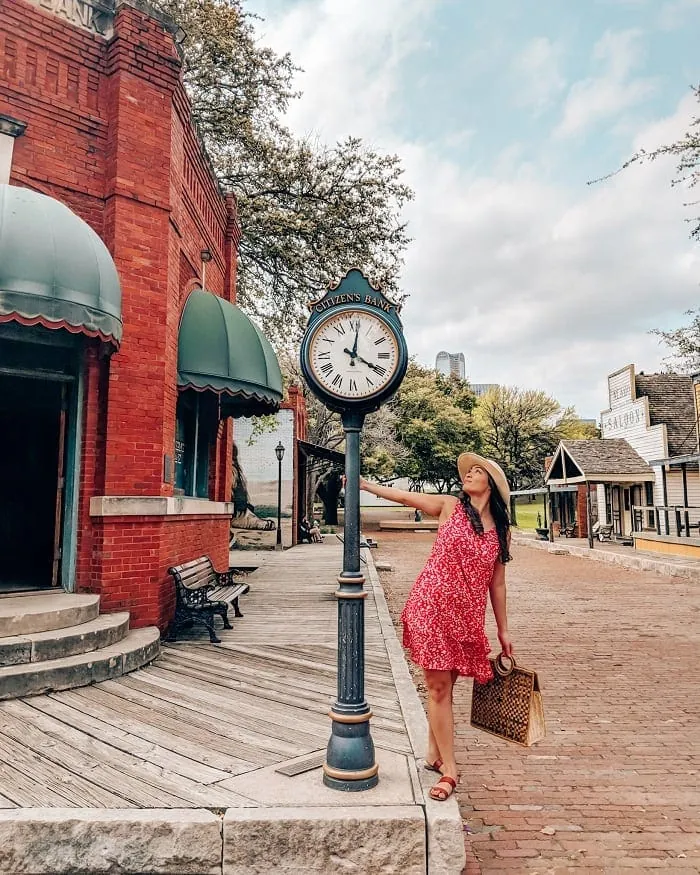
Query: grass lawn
[[526, 515]]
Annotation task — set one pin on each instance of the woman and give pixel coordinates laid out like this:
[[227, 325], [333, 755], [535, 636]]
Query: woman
[[445, 615]]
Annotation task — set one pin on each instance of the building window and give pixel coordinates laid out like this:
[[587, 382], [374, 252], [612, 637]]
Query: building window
[[649, 496], [195, 435]]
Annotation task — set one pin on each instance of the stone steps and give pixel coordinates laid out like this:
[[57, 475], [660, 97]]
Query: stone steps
[[34, 647], [137, 648], [58, 640], [23, 615]]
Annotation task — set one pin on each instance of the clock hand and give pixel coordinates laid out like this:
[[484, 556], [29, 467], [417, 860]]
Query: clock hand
[[353, 356], [365, 362], [354, 346]]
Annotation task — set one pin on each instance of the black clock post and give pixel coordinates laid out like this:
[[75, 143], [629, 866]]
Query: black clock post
[[353, 357], [350, 763]]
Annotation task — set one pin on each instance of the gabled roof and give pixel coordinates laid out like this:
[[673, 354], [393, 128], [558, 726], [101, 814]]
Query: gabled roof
[[610, 460], [671, 402]]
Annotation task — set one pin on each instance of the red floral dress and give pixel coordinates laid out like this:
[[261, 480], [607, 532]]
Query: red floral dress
[[445, 614]]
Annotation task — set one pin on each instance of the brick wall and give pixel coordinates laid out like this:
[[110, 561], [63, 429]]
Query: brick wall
[[136, 552], [109, 135]]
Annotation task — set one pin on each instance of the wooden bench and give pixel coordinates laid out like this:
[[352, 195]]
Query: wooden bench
[[202, 593]]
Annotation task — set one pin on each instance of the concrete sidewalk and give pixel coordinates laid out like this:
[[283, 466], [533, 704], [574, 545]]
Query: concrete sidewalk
[[209, 761], [613, 554]]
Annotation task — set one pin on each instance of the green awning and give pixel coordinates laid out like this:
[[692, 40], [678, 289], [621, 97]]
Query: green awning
[[54, 269], [220, 350]]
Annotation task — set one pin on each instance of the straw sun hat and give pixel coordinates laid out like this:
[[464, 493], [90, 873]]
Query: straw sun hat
[[467, 461]]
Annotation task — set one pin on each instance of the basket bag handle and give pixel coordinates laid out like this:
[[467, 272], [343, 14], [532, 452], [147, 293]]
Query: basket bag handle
[[500, 667]]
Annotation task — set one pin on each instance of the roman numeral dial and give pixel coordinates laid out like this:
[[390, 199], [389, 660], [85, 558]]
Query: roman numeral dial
[[353, 354]]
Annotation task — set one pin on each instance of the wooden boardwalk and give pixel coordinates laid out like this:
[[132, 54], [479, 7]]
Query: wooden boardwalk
[[175, 734]]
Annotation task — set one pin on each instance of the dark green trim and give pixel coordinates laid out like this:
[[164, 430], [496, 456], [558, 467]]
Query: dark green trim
[[221, 351]]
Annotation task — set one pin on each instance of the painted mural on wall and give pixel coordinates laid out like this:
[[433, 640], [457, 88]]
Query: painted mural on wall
[[255, 470]]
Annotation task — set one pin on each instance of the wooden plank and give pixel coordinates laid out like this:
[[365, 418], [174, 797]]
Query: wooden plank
[[191, 666], [266, 743], [129, 776], [281, 721], [145, 723], [105, 728], [25, 791], [4, 802], [138, 698], [185, 724], [274, 734], [60, 786], [241, 672], [255, 667], [314, 761], [271, 657]]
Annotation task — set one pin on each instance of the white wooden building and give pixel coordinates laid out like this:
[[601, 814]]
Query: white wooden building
[[656, 414]]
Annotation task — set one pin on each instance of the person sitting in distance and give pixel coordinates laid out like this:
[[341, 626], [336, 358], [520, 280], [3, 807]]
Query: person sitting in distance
[[304, 531], [315, 532]]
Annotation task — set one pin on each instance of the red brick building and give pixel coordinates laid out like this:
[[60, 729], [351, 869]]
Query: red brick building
[[119, 375]]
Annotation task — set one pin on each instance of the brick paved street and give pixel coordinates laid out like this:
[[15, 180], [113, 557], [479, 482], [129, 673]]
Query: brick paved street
[[614, 786]]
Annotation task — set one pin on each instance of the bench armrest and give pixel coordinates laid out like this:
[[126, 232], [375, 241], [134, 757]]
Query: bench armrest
[[226, 578]]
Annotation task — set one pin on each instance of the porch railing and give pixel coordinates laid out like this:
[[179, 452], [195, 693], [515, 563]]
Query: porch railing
[[684, 522]]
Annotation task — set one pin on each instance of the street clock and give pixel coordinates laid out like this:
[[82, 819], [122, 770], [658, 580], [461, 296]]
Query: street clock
[[353, 355]]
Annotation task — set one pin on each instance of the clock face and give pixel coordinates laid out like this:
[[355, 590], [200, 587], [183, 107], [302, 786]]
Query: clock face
[[353, 354]]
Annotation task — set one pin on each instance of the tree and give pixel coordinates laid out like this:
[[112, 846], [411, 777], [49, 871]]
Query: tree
[[570, 427], [434, 424], [684, 344], [686, 151], [308, 210], [521, 427]]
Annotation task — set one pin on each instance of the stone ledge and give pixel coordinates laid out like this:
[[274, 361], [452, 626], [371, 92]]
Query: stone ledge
[[666, 539], [640, 561], [70, 841], [383, 840], [444, 831], [155, 505], [409, 525]]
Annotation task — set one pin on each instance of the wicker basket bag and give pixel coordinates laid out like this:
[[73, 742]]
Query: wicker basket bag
[[510, 704]]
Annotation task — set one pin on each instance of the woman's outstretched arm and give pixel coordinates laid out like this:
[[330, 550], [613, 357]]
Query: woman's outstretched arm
[[433, 505]]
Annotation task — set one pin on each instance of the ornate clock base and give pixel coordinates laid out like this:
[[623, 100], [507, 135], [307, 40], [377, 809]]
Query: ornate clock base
[[350, 761]]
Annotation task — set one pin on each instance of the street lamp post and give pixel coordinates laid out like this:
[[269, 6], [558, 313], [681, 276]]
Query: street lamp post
[[279, 452]]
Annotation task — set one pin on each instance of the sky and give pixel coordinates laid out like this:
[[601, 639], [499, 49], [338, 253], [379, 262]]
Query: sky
[[503, 113]]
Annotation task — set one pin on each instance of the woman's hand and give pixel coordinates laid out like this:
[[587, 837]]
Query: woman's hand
[[506, 644], [364, 484]]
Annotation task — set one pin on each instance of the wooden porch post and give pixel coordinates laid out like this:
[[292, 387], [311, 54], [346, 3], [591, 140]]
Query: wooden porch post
[[665, 497], [588, 515]]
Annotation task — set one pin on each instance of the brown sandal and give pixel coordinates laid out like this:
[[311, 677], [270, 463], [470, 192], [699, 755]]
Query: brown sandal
[[433, 767], [438, 793]]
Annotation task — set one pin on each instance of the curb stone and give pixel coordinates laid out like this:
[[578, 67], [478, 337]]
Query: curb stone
[[75, 841], [642, 563], [445, 835]]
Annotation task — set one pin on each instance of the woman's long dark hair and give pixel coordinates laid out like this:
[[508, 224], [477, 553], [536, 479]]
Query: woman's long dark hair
[[500, 515]]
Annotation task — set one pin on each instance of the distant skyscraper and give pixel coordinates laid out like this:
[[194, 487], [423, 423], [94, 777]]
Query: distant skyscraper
[[451, 364]]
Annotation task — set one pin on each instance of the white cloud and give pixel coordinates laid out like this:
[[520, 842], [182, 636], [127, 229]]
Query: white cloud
[[350, 55], [676, 13], [539, 78], [546, 287], [612, 91], [539, 285]]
